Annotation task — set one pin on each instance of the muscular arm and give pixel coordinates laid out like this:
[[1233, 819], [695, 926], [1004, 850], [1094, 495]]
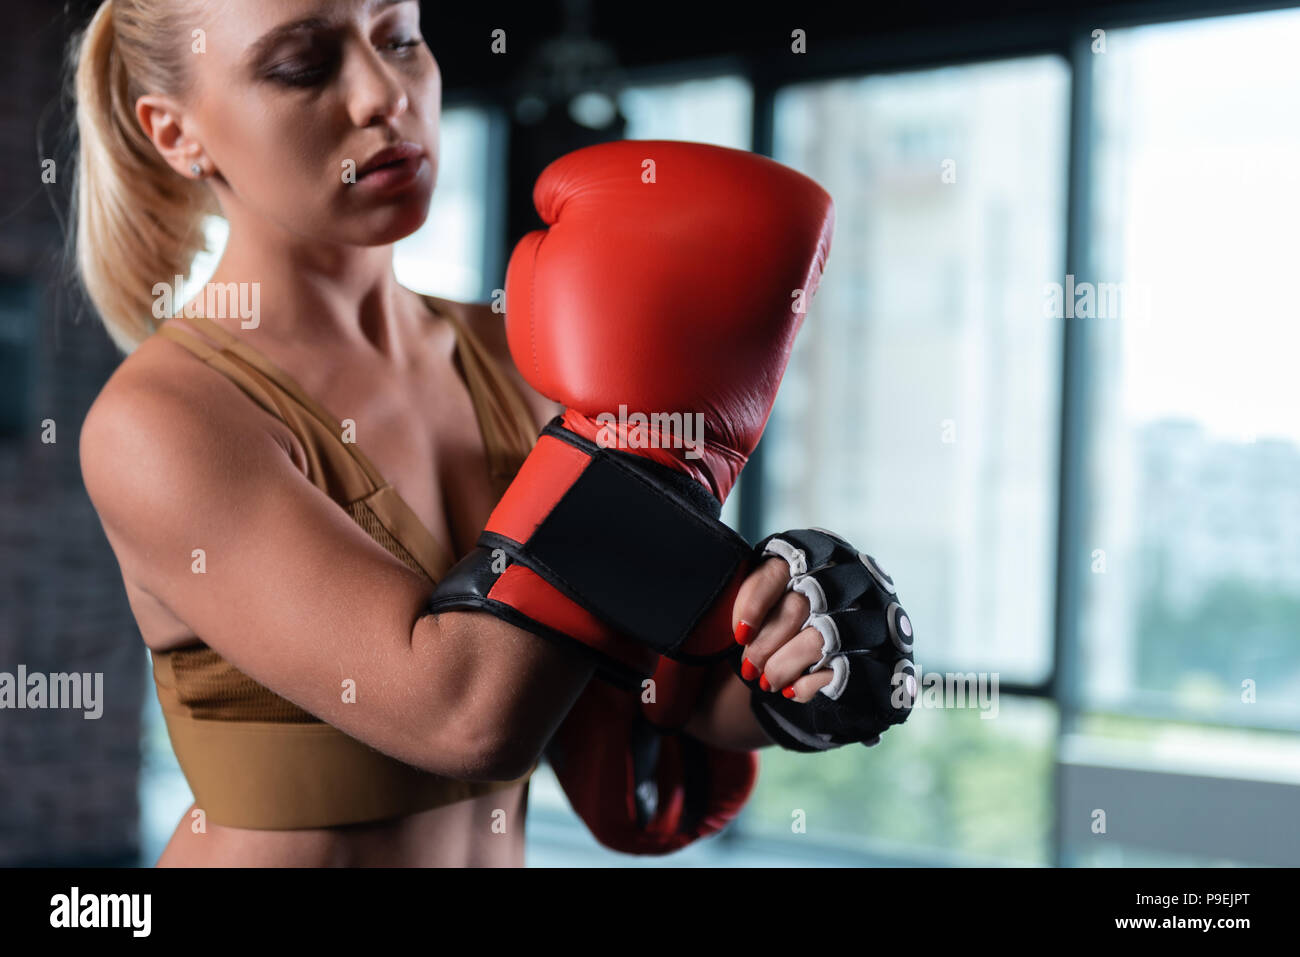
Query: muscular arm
[[296, 595]]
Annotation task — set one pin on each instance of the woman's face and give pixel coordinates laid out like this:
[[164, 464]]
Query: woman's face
[[294, 100]]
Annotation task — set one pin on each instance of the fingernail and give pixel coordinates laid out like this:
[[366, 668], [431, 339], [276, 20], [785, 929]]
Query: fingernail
[[762, 683], [788, 691], [744, 631], [747, 670]]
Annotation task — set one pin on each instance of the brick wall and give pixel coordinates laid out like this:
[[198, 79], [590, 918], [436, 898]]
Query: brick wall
[[67, 784]]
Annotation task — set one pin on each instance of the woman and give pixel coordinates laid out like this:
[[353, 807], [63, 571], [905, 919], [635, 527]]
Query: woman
[[278, 574]]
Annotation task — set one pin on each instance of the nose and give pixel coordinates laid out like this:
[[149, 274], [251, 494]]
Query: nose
[[374, 92]]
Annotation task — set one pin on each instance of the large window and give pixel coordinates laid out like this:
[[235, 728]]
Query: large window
[[1195, 476], [1190, 619], [919, 417], [920, 412]]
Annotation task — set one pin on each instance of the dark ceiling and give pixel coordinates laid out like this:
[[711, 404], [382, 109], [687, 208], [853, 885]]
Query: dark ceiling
[[664, 32], [667, 31]]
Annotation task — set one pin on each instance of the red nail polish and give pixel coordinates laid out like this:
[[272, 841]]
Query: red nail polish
[[762, 683], [744, 631], [747, 670], [788, 691]]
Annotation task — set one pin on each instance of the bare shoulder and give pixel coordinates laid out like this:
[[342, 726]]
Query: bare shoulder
[[149, 390], [490, 328], [155, 408], [140, 394]]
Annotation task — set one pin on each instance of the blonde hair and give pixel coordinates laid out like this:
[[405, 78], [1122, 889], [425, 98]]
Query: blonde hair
[[138, 221]]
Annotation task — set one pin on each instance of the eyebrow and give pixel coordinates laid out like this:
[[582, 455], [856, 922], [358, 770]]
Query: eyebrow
[[273, 36]]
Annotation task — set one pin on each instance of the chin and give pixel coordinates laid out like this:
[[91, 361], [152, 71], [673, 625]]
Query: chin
[[398, 228], [395, 222]]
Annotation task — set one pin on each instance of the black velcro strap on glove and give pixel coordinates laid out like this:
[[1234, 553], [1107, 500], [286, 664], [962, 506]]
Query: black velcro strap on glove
[[866, 643], [468, 586], [635, 543]]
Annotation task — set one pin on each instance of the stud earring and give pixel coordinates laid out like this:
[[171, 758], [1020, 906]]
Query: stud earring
[[196, 169]]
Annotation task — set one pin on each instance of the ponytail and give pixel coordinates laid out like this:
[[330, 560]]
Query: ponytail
[[138, 221]]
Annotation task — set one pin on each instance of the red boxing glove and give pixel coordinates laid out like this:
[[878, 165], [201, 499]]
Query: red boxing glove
[[639, 790], [672, 279], [666, 293]]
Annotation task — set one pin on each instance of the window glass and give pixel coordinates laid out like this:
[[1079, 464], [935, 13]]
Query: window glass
[[445, 256], [919, 416], [1192, 565]]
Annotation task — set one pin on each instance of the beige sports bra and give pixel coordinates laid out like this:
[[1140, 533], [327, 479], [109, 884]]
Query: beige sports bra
[[252, 758]]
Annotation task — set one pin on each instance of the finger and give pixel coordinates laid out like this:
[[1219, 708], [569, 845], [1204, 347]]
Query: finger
[[761, 589], [802, 689], [791, 660], [782, 623]]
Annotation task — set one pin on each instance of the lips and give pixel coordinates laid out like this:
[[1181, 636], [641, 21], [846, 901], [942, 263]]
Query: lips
[[392, 157]]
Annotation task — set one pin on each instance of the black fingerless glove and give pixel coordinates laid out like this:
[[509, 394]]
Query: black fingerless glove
[[866, 643]]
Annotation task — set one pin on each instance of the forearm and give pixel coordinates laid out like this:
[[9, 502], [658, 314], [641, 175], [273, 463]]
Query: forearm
[[723, 717]]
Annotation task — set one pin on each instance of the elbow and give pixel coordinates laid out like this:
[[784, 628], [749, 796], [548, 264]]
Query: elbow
[[508, 762], [496, 713], [495, 759], [484, 755]]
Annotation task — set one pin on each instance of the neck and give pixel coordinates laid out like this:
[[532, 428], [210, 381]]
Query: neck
[[315, 292]]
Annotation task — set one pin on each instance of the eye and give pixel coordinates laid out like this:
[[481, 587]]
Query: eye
[[301, 76], [312, 71], [404, 43], [306, 77], [308, 65]]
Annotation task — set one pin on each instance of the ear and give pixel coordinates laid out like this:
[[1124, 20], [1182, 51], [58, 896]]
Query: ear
[[162, 120]]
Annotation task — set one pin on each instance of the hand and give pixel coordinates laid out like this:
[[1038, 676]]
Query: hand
[[828, 646]]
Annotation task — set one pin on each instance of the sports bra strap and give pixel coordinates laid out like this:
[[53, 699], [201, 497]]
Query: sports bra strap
[[509, 431], [339, 469], [230, 344]]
